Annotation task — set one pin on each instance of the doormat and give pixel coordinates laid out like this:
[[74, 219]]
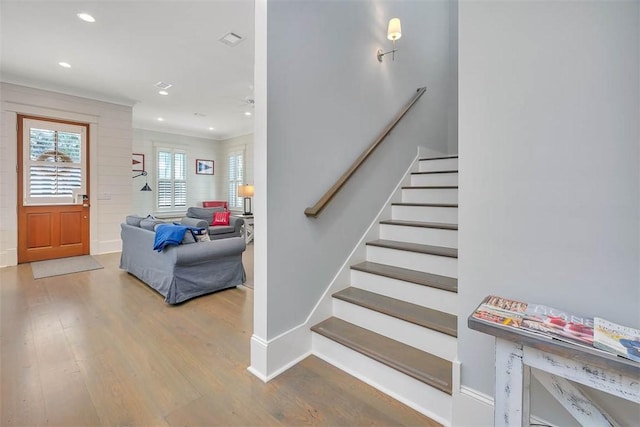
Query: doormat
[[58, 267]]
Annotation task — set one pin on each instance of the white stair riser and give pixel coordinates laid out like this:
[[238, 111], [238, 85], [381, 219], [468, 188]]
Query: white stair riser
[[413, 393], [438, 165], [422, 338], [443, 266], [430, 195], [425, 214], [422, 235], [425, 296], [434, 179]]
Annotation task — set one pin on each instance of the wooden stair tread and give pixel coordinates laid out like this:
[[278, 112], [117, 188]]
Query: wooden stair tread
[[453, 156], [422, 224], [415, 247], [418, 315], [422, 366], [432, 205], [418, 277], [424, 173], [430, 187]]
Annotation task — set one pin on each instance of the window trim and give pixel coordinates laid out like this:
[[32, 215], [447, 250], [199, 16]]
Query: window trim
[[238, 205], [173, 152]]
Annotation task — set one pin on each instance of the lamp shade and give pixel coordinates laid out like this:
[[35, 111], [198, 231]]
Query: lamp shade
[[395, 30], [245, 190]]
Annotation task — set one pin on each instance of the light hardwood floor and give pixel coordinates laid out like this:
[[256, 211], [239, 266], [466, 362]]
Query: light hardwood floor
[[101, 348]]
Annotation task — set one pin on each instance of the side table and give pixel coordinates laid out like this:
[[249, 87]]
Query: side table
[[248, 227]]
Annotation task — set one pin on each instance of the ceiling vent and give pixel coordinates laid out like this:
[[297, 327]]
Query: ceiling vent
[[163, 86], [231, 39]]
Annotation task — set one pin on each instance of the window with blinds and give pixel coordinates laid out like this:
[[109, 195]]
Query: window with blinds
[[236, 178], [172, 179], [53, 163]]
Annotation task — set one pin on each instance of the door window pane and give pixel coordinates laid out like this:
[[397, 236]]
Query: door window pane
[[54, 169]]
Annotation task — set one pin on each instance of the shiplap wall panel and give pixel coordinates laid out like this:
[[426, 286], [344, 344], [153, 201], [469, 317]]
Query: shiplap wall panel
[[111, 133]]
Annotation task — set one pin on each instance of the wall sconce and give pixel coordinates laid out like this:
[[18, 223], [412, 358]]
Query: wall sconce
[[246, 191], [146, 184], [394, 32]]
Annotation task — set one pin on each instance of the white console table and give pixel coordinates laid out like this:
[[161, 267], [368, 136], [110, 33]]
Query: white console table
[[519, 354]]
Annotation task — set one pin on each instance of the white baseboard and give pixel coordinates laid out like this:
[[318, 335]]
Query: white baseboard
[[106, 246], [258, 365], [9, 258], [473, 408], [271, 358]]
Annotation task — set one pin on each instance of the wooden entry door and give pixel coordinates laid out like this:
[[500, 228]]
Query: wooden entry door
[[53, 189]]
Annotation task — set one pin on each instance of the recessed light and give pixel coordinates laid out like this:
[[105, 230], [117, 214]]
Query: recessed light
[[64, 64], [163, 92], [160, 119], [86, 17], [247, 113], [212, 128]]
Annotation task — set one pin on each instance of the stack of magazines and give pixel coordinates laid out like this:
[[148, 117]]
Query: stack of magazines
[[558, 324]]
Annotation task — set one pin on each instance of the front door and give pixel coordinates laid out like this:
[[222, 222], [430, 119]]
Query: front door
[[53, 189]]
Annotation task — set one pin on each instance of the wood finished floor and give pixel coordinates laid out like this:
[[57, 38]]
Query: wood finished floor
[[101, 348]]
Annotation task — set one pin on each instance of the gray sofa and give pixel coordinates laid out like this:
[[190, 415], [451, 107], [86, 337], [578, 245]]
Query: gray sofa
[[184, 271], [203, 217]]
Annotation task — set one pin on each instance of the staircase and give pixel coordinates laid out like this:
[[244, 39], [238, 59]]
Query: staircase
[[395, 327]]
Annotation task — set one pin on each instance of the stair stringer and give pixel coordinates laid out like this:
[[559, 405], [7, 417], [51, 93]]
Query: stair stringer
[[292, 346], [324, 307]]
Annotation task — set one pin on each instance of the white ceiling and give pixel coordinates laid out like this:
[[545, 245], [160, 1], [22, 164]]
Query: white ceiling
[[133, 45]]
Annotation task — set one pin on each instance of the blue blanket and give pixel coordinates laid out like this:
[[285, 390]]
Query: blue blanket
[[168, 234]]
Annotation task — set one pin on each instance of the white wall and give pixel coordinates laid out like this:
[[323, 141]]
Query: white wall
[[199, 187], [327, 99], [549, 162], [110, 155], [452, 118]]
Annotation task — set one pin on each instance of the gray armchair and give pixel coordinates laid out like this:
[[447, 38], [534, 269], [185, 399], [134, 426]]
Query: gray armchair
[[203, 217]]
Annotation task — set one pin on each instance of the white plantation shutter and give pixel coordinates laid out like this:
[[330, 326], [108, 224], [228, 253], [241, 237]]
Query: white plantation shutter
[[236, 178], [53, 162], [172, 179]]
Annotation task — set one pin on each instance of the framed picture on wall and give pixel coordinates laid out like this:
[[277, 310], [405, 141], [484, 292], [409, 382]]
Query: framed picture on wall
[[204, 167], [137, 162]]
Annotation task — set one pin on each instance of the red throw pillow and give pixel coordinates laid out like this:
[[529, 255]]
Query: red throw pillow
[[221, 218]]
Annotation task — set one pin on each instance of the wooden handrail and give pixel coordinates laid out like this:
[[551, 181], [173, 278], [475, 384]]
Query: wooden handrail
[[315, 210]]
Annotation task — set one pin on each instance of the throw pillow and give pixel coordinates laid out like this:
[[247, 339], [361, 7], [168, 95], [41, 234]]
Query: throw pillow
[[203, 237], [134, 220], [203, 213], [150, 223], [221, 218]]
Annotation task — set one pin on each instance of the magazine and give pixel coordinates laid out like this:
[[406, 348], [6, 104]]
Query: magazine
[[538, 319], [559, 324], [500, 310], [617, 339]]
